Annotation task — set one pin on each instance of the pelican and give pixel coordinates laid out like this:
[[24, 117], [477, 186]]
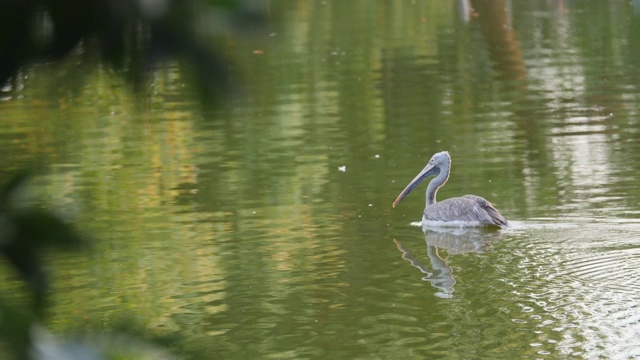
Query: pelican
[[467, 210]]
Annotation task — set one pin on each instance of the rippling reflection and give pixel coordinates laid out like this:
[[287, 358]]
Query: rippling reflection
[[454, 241], [578, 292]]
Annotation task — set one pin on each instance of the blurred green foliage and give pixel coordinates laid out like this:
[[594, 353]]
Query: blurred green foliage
[[25, 230], [132, 37]]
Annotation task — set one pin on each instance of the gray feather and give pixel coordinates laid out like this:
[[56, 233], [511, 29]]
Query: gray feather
[[469, 208]]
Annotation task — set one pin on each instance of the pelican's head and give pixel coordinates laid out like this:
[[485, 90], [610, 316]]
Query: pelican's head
[[439, 162]]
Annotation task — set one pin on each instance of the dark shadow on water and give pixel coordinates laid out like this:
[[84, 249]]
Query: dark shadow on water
[[453, 241]]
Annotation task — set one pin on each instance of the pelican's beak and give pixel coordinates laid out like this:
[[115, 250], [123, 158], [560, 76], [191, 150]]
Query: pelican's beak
[[429, 170]]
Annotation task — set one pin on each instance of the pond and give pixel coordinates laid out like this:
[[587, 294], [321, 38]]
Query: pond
[[264, 229]]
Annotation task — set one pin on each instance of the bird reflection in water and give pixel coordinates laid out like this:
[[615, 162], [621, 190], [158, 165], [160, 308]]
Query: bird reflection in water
[[453, 241]]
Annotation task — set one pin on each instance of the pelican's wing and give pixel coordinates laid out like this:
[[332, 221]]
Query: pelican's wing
[[468, 208], [496, 217]]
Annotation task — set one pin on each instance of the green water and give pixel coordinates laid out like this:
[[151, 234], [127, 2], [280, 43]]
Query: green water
[[264, 229]]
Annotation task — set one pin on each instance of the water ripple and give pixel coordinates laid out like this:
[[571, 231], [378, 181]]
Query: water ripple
[[578, 287]]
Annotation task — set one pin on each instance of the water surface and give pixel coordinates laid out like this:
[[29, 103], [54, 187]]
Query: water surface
[[265, 229]]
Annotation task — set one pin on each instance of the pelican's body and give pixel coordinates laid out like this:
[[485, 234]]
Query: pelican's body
[[467, 210]]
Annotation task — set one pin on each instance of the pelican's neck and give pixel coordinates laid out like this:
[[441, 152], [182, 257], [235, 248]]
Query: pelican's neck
[[436, 183]]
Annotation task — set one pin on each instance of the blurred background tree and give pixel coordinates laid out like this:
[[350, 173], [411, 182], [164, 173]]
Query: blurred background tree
[[132, 37]]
